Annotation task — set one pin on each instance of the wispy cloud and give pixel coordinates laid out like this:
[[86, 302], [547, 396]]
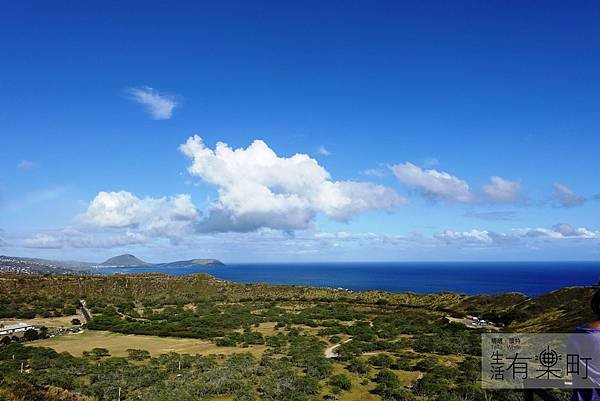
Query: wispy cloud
[[430, 162], [72, 238], [439, 185], [159, 106], [492, 216], [558, 232], [433, 184], [375, 172], [33, 198], [322, 150], [500, 190], [566, 197], [26, 164]]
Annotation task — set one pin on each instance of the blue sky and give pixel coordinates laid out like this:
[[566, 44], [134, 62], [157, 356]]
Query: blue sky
[[405, 112]]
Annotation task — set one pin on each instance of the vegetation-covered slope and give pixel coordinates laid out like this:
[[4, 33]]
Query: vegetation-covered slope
[[389, 346]]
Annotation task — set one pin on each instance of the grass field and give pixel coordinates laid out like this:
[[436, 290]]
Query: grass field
[[118, 344], [50, 322]]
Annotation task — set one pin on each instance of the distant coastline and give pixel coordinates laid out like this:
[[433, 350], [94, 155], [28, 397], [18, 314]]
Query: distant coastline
[[178, 264], [530, 278], [129, 260]]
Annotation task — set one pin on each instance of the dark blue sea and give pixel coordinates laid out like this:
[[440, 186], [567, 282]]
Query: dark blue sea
[[531, 278]]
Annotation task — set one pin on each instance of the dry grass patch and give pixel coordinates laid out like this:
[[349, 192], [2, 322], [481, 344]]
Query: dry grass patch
[[266, 329], [118, 344]]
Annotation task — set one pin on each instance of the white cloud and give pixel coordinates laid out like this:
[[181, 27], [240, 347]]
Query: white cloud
[[473, 237], [167, 216], [433, 184], [442, 186], [322, 150], [523, 236], [159, 106], [567, 197], [26, 164], [257, 188], [559, 231], [515, 241], [115, 219], [500, 190]]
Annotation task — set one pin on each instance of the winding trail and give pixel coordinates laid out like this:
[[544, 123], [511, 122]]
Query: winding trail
[[330, 351]]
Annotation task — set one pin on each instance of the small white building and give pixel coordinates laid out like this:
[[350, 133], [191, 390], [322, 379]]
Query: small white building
[[14, 328]]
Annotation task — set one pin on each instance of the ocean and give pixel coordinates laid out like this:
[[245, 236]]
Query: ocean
[[531, 278]]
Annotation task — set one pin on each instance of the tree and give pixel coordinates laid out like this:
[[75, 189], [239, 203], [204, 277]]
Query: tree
[[389, 387], [76, 322], [43, 332], [31, 334], [359, 366], [97, 353], [5, 340]]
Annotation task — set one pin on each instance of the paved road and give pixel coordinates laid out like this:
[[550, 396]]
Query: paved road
[[84, 311]]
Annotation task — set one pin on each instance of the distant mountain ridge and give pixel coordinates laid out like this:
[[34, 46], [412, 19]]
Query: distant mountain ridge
[[25, 265], [128, 260], [201, 262], [125, 260]]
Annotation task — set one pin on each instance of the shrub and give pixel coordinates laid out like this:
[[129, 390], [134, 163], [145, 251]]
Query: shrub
[[137, 354], [340, 381], [381, 360]]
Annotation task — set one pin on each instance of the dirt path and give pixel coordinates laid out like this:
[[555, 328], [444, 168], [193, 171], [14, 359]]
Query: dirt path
[[330, 351]]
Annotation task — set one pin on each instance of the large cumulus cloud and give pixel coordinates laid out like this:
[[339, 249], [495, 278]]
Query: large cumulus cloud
[[165, 216], [257, 188], [118, 219]]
